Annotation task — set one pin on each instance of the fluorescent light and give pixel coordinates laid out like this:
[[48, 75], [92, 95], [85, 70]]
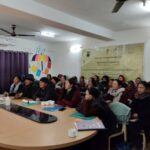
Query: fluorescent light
[[48, 34], [146, 6], [75, 48]]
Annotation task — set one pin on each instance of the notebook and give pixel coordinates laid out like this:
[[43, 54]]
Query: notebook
[[54, 108], [94, 124], [81, 116]]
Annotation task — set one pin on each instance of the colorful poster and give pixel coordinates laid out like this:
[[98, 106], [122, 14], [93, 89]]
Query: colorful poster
[[41, 64], [114, 60]]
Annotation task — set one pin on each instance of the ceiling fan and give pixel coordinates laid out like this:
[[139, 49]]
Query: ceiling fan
[[119, 4], [13, 32]]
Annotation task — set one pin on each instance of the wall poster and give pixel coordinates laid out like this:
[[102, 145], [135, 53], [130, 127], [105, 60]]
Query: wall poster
[[40, 64], [114, 60]]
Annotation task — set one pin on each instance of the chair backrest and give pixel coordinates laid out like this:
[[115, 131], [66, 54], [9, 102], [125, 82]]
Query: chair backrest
[[121, 111]]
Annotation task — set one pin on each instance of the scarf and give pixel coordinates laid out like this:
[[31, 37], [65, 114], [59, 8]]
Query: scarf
[[116, 94], [14, 88], [141, 96]]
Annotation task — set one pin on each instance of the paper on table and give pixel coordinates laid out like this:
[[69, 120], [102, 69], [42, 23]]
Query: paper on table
[[94, 124], [29, 102], [54, 108]]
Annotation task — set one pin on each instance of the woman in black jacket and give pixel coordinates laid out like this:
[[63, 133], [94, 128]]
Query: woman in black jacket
[[45, 91], [140, 113], [92, 105], [15, 86]]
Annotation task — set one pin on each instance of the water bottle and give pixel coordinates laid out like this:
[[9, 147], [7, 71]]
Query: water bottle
[[7, 101]]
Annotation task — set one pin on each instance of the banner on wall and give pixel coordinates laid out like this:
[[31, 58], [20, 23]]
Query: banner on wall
[[114, 60], [40, 64]]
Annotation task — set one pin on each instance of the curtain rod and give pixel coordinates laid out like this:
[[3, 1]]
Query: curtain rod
[[16, 51]]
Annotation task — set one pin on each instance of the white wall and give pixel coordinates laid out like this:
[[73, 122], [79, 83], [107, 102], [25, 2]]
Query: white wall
[[147, 61], [68, 63], [29, 46], [65, 62]]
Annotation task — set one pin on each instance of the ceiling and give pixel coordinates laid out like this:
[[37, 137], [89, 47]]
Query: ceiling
[[98, 12], [28, 27], [132, 15]]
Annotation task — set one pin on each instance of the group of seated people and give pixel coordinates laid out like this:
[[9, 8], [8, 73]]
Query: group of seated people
[[92, 97]]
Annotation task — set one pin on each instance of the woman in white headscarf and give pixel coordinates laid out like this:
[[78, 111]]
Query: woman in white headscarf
[[115, 92], [15, 86]]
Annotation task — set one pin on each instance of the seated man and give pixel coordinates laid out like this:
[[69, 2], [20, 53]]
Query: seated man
[[45, 91], [28, 89]]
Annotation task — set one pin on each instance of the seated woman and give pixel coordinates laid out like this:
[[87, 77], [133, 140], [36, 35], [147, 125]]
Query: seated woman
[[54, 81], [92, 105], [82, 86], [123, 80], [96, 78], [104, 85], [140, 108], [71, 94], [129, 93], [61, 83], [58, 87], [49, 77], [114, 94], [137, 81], [45, 91], [28, 88], [92, 83], [15, 87]]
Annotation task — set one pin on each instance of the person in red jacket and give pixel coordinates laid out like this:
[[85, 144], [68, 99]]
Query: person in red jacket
[[129, 93], [71, 94]]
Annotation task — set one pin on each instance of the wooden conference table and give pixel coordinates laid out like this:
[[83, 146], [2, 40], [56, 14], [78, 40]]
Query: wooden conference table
[[20, 133]]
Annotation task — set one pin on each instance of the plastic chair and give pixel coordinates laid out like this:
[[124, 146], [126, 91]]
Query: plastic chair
[[122, 113], [144, 139]]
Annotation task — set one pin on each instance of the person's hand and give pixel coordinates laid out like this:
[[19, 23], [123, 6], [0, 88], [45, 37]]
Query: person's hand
[[18, 95], [108, 101], [135, 115], [37, 99], [88, 97], [6, 93]]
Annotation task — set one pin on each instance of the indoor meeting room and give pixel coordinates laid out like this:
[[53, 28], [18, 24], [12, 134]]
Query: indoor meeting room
[[74, 74]]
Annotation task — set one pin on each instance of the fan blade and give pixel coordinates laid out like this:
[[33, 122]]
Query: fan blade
[[118, 6], [24, 35], [5, 31]]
